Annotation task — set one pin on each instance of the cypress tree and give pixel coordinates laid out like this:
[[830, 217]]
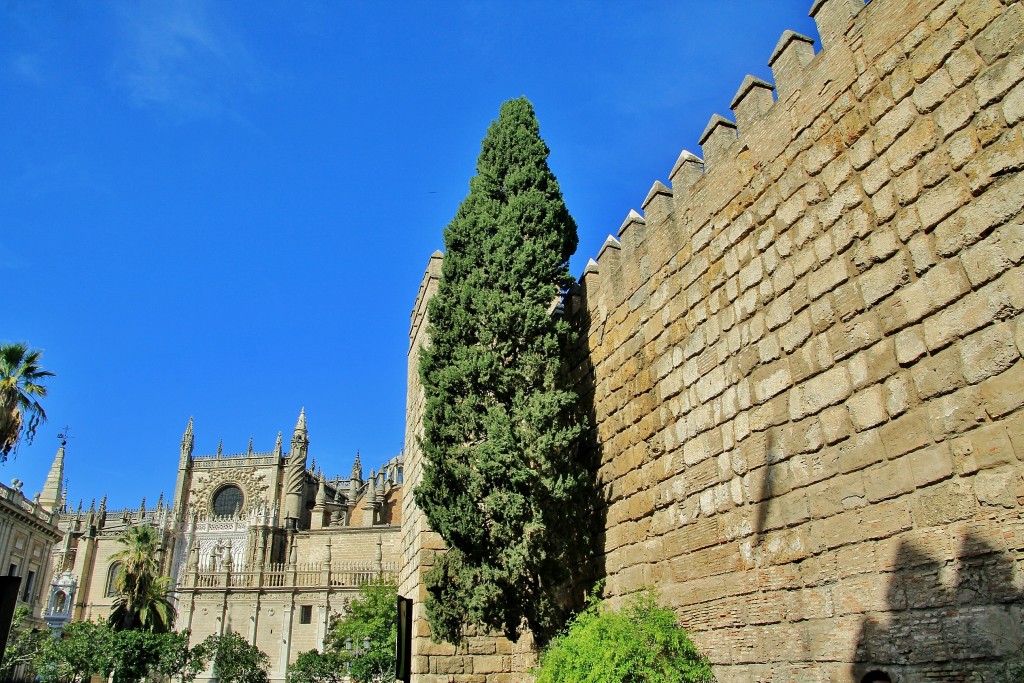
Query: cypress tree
[[503, 481]]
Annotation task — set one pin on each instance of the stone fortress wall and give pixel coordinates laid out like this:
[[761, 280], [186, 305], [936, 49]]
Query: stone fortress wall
[[804, 365]]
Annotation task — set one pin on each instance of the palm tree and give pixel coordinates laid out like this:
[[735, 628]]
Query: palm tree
[[20, 411], [142, 594]]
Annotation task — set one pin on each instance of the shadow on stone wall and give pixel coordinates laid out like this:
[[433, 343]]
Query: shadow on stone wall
[[592, 559], [955, 621]]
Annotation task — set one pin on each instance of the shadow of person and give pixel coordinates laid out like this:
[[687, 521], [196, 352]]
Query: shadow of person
[[952, 620]]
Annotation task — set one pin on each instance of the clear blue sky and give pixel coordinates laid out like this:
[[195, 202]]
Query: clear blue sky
[[224, 209]]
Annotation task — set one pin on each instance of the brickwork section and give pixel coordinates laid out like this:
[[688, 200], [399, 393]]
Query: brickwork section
[[481, 658], [806, 366]]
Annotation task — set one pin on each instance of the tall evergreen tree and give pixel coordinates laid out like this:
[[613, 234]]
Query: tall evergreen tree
[[503, 481]]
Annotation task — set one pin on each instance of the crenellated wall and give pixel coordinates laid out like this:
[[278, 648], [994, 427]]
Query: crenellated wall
[[805, 358], [804, 362]]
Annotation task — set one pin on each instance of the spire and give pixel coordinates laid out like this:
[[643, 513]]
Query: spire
[[50, 497], [277, 446], [187, 443], [357, 468], [250, 445], [220, 448], [295, 475]]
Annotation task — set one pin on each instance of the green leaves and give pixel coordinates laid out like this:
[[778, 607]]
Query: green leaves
[[143, 599], [89, 648], [364, 639], [642, 642], [236, 660], [20, 391], [503, 482]]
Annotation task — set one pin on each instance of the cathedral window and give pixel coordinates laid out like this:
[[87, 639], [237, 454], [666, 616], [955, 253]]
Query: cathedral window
[[112, 574], [306, 614], [227, 500]]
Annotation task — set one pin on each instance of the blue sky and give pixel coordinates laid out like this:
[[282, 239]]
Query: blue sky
[[223, 210]]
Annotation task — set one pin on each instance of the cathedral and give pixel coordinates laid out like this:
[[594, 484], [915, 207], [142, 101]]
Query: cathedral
[[262, 544]]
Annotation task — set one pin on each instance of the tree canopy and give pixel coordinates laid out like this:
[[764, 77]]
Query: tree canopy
[[503, 483], [361, 643], [142, 594], [20, 390], [236, 660]]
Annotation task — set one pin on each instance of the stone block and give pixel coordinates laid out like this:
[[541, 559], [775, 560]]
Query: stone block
[[1003, 156], [883, 520], [910, 346], [994, 301], [955, 113], [884, 278], [860, 451], [934, 51], [851, 336], [988, 352], [908, 433], [1001, 36], [1004, 393], [983, 448], [836, 424], [913, 144], [897, 394], [888, 479], [893, 124], [956, 413], [997, 487], [1013, 105], [998, 79], [933, 91], [963, 65], [938, 374], [828, 388], [994, 255], [944, 503], [963, 146], [931, 464], [941, 201], [978, 14], [867, 408]]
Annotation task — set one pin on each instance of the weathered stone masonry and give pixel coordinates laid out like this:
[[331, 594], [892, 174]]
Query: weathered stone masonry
[[805, 369]]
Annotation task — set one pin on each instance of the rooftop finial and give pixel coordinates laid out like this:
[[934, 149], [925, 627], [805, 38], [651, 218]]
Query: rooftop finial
[[357, 468], [187, 440], [277, 445], [300, 426], [250, 445], [220, 448]]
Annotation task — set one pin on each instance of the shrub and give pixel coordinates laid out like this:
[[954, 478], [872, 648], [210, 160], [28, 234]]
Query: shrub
[[640, 643]]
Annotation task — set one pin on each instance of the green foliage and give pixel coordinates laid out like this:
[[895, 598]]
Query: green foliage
[[642, 642], [236, 660], [364, 638], [143, 599], [85, 648], [20, 391], [88, 648], [318, 667], [23, 643], [501, 425]]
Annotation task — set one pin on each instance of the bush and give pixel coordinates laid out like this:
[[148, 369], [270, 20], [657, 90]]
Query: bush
[[642, 642]]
